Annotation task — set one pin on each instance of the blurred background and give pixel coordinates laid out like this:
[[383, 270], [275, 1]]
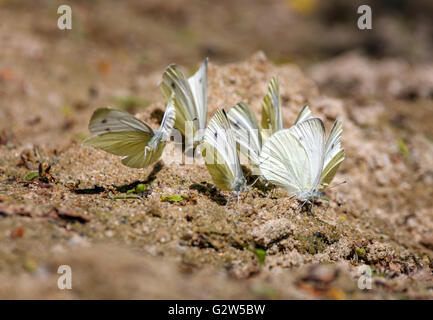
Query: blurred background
[[114, 46], [152, 32]]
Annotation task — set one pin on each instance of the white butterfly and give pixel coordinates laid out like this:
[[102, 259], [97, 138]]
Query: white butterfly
[[221, 156], [120, 133], [247, 132], [190, 99], [300, 159]]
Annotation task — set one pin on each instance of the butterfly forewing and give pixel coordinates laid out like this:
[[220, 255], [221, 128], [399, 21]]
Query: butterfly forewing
[[284, 162], [220, 152], [272, 119], [198, 84], [189, 96], [333, 143], [311, 135], [305, 114], [246, 132], [168, 121], [105, 120], [331, 169], [334, 155]]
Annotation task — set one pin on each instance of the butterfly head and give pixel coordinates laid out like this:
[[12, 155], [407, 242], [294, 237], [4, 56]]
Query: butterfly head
[[240, 184], [155, 140], [310, 195]]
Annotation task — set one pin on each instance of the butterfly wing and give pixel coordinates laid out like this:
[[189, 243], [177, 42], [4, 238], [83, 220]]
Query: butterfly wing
[[246, 132], [105, 120], [198, 84], [311, 134], [175, 86], [189, 96], [140, 159], [272, 119], [220, 153], [121, 134], [168, 121], [285, 163], [334, 155], [305, 114], [331, 169]]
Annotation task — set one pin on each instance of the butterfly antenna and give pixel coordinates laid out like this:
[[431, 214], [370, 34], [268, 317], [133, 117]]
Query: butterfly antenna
[[250, 186], [303, 204], [336, 185]]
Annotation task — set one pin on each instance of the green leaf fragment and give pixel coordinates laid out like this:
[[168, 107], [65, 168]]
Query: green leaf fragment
[[261, 255], [31, 176], [140, 188], [173, 198], [403, 148], [360, 252]]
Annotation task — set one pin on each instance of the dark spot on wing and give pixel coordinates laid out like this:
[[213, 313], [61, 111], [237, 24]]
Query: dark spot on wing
[[107, 129], [173, 85], [332, 146], [200, 80], [215, 134], [104, 121]]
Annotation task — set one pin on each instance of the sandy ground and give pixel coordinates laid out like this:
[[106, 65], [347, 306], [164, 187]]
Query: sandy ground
[[199, 248]]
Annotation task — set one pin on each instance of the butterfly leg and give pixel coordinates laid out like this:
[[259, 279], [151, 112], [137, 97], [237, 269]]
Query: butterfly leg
[[254, 182], [272, 192], [302, 205], [311, 211], [228, 200]]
